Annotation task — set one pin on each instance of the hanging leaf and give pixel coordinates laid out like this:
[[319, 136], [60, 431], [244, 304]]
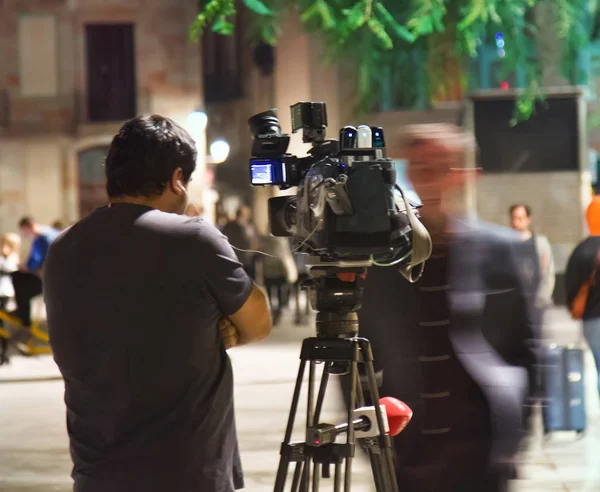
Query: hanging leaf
[[378, 29], [478, 12], [223, 26], [327, 15], [398, 29], [258, 7], [355, 17], [372, 35], [310, 12]]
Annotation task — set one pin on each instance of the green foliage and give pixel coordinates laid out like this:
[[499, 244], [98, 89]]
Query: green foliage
[[391, 33]]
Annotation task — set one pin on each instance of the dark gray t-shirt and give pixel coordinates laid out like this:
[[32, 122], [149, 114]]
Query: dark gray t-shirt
[[133, 298]]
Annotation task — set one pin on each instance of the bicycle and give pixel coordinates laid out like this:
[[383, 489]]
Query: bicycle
[[38, 343]]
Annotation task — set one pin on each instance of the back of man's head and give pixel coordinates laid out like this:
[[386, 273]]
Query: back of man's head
[[144, 155], [26, 222]]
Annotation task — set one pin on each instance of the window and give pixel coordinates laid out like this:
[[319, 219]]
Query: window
[[92, 188], [548, 141], [38, 73], [111, 84]]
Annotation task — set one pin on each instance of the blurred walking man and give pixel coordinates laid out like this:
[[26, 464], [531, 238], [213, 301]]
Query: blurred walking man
[[454, 345]]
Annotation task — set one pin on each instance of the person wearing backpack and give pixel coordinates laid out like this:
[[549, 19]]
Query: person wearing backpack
[[583, 295]]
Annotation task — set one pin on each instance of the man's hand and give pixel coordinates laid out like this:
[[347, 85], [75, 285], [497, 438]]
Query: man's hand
[[228, 332]]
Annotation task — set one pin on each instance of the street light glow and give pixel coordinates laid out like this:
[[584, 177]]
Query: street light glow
[[196, 121], [219, 150]]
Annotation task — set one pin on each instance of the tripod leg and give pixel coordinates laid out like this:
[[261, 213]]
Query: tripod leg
[[321, 395], [284, 461], [297, 475], [316, 477], [309, 423], [384, 440], [374, 458], [352, 405], [337, 480], [311, 394], [378, 467]]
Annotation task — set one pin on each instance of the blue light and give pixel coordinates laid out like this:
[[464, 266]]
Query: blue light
[[499, 35], [500, 43]]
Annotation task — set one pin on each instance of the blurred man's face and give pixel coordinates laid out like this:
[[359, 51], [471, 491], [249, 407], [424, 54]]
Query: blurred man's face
[[245, 214], [27, 232], [519, 220], [429, 165]]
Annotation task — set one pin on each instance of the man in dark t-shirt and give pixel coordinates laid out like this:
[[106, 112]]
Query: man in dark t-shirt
[[142, 303]]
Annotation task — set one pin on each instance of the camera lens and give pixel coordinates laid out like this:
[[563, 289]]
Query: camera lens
[[265, 123]]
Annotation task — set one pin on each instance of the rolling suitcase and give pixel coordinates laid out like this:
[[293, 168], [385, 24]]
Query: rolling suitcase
[[564, 392]]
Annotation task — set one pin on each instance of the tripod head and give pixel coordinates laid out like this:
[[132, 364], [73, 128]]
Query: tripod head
[[336, 294]]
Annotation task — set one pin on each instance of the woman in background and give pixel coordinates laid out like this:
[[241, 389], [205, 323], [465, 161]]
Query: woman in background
[[9, 262]]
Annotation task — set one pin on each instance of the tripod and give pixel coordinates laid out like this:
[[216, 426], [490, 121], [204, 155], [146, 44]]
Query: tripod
[[336, 295]]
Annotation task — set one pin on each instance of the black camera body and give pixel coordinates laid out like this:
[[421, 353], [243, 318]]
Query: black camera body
[[348, 207]]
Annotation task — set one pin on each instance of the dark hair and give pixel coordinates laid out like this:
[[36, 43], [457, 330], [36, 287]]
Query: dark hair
[[144, 155], [519, 205], [26, 221]]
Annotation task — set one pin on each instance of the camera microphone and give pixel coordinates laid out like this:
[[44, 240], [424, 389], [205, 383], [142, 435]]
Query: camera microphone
[[365, 137], [378, 142], [348, 140], [364, 140], [348, 137]]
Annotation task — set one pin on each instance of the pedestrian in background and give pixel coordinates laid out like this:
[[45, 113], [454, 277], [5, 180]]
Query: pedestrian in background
[[536, 256], [242, 236], [582, 268]]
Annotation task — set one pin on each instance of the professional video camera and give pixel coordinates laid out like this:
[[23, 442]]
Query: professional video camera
[[348, 214], [348, 209]]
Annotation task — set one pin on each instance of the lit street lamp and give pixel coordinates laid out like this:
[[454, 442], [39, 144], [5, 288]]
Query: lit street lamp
[[201, 190], [219, 151], [196, 125]]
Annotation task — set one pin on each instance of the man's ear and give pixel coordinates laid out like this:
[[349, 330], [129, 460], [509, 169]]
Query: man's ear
[[177, 182]]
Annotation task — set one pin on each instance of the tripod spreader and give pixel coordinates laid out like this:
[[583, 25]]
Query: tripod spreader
[[364, 423]]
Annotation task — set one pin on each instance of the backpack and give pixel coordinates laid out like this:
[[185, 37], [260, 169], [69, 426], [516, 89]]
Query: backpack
[[577, 307]]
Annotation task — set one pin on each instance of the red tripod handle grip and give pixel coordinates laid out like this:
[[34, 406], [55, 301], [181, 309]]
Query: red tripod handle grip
[[398, 414]]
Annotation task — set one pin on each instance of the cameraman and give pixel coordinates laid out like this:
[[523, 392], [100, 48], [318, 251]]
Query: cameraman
[[142, 302], [456, 345]]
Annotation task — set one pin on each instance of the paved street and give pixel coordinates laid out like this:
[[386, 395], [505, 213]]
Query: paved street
[[33, 443]]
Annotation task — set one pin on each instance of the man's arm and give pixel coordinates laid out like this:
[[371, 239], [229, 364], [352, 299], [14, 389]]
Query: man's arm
[[245, 310], [253, 320], [513, 321]]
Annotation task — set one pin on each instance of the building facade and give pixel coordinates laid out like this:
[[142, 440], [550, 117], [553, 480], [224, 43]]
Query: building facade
[[72, 72]]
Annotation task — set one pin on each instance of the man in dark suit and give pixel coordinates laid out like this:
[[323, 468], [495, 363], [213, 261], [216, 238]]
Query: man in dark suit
[[456, 346]]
